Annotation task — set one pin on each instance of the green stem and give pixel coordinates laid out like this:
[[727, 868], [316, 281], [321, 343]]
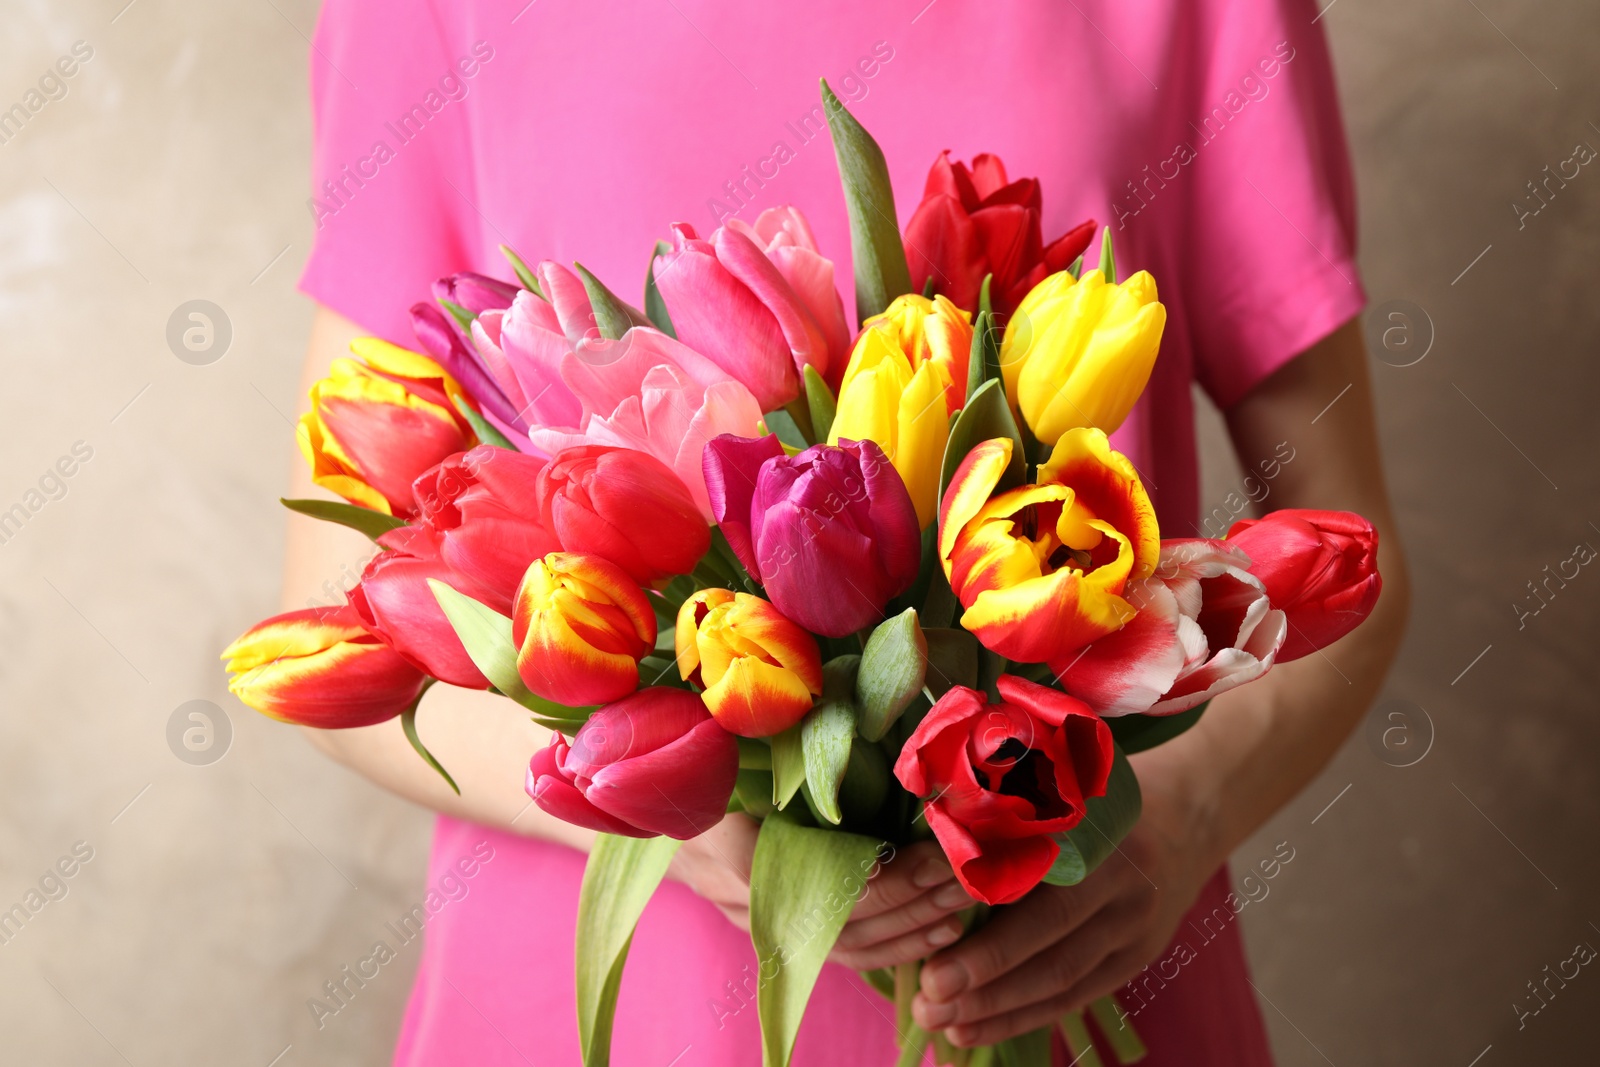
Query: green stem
[[1079, 1044], [906, 977], [1117, 1028], [800, 411], [915, 1040]]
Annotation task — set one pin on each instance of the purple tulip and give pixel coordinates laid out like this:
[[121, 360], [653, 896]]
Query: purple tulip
[[831, 533], [654, 762], [475, 292]]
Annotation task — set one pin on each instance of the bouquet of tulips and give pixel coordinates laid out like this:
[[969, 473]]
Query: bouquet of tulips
[[865, 590]]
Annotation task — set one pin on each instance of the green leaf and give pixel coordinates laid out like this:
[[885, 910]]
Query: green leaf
[[894, 665], [480, 425], [408, 723], [654, 306], [803, 884], [618, 881], [1107, 822], [1108, 258], [372, 523], [1027, 1050], [1135, 733], [952, 660], [977, 356], [882, 980], [754, 790], [462, 316], [826, 734], [789, 433], [754, 754], [1076, 270], [524, 275], [799, 410], [941, 605], [875, 246], [1117, 1028], [866, 782], [788, 766], [820, 399], [986, 416], [486, 635], [612, 315], [985, 300]]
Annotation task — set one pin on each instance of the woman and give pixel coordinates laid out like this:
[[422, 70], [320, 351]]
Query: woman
[[1206, 134]]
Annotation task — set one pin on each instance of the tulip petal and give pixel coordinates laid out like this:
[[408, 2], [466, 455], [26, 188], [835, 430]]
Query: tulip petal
[[1127, 671], [1046, 618], [969, 490], [750, 265], [732, 466], [758, 699], [561, 799], [680, 789], [1107, 483]]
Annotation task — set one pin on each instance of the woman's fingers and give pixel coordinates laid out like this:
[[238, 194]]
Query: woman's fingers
[[914, 945], [1012, 935], [1051, 973], [912, 872], [920, 911], [1043, 1012]]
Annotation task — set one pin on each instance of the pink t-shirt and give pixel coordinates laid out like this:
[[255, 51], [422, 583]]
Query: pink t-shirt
[[1206, 133]]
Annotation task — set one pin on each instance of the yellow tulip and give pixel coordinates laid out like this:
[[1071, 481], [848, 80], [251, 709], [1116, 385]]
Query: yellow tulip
[[906, 376], [1078, 353]]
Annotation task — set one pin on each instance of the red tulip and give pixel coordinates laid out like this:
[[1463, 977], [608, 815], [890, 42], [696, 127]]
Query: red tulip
[[394, 601], [623, 506], [1320, 568], [482, 507], [320, 667], [652, 763], [999, 779], [973, 222]]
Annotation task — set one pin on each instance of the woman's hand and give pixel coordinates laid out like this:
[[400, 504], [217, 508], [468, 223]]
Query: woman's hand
[[905, 914], [1061, 947]]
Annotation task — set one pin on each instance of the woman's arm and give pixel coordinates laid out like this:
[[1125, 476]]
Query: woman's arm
[[1209, 789], [485, 742]]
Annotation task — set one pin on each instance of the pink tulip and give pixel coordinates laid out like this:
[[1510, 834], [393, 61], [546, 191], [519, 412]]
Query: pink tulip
[[654, 762], [784, 235], [1204, 625], [649, 393], [730, 302]]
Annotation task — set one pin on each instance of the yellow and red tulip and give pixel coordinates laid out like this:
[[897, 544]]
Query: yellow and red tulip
[[760, 672], [374, 426], [580, 625], [1077, 353], [320, 667], [1040, 569], [907, 375]]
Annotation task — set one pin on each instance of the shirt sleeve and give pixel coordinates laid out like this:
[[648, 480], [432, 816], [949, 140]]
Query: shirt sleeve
[[1270, 244], [391, 165]]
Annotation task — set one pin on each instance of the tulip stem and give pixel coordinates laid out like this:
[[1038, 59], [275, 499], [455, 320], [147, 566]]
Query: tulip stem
[[906, 978]]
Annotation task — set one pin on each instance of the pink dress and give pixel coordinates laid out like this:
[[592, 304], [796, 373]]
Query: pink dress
[[1206, 133]]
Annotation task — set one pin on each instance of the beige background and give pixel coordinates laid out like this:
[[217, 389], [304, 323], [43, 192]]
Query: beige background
[[220, 897]]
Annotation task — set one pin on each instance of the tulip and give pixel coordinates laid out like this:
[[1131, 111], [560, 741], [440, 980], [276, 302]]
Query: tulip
[[650, 393], [652, 763], [483, 510], [728, 301], [1078, 353], [581, 626], [831, 533], [1204, 626], [784, 235], [901, 388], [1040, 568], [973, 222], [374, 426], [760, 672], [320, 667], [624, 506], [999, 779], [475, 292], [1319, 567], [394, 601]]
